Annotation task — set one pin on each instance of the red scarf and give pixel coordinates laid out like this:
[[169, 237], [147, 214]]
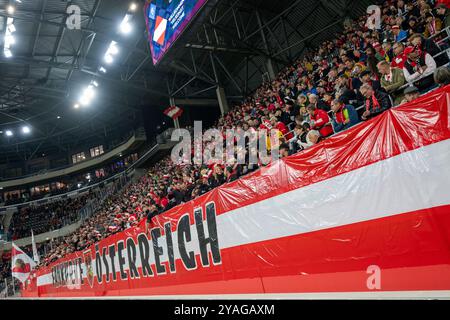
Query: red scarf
[[340, 115], [375, 103], [432, 27]]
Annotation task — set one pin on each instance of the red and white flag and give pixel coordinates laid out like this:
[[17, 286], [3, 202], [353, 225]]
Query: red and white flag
[[21, 264], [160, 30], [173, 112]]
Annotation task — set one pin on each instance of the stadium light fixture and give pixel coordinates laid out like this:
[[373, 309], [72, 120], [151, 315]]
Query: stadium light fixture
[[10, 9], [112, 51], [58, 117], [125, 26], [8, 53], [94, 83], [133, 6], [76, 105], [9, 38], [109, 59], [101, 69], [26, 129], [87, 95], [11, 28], [9, 133]]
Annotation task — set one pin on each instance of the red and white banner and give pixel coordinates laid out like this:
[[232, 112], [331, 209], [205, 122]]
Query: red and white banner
[[366, 211], [21, 264], [173, 112]]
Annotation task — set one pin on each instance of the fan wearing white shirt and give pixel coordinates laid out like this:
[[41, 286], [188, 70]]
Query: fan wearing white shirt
[[419, 68]]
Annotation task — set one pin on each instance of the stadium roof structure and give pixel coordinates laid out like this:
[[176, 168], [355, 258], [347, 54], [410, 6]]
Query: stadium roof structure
[[227, 45]]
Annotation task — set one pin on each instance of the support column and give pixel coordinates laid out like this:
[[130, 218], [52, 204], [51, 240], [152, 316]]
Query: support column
[[176, 123], [223, 103], [270, 69], [269, 63]]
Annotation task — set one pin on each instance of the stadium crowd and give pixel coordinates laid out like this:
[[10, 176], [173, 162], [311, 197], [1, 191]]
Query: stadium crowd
[[47, 217], [353, 78]]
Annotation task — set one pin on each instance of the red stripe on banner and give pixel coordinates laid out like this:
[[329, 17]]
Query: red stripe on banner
[[406, 247]]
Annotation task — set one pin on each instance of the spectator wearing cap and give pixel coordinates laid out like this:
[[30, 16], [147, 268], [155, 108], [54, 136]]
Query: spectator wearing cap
[[391, 80], [379, 51], [376, 101], [320, 121], [411, 93], [343, 116], [400, 35], [442, 14], [419, 68]]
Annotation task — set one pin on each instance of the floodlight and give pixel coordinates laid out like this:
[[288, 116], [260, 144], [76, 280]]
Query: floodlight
[[133, 6], [125, 26], [7, 52], [10, 9], [109, 59]]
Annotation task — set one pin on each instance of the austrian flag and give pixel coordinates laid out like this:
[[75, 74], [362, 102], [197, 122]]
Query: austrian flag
[[160, 30], [173, 112]]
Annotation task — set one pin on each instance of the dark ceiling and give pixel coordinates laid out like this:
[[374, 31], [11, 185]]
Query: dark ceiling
[[228, 44]]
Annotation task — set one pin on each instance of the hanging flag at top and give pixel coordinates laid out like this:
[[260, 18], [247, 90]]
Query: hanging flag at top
[[21, 264], [173, 112], [33, 243]]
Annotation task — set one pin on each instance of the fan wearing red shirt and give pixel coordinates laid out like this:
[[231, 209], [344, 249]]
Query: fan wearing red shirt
[[320, 121]]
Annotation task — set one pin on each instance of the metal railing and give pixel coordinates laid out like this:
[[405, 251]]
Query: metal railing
[[9, 287], [81, 190]]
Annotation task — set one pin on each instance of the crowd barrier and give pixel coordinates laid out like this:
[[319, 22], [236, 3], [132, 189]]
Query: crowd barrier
[[367, 210]]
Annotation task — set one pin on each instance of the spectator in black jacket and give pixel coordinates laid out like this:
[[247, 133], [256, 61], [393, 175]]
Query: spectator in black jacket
[[300, 132], [376, 101], [428, 46]]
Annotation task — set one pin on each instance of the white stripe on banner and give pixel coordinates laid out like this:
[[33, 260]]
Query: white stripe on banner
[[379, 190]]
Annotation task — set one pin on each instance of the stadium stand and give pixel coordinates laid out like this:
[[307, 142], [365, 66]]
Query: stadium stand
[[350, 79], [335, 72]]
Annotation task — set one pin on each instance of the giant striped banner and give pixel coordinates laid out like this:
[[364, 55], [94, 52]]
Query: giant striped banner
[[366, 211]]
